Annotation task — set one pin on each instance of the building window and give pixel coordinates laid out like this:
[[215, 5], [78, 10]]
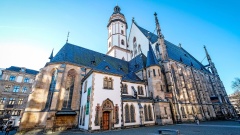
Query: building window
[[85, 86], [11, 101], [183, 112], [145, 113], [20, 101], [12, 78], [139, 48], [51, 89], [26, 80], [132, 112], [150, 113], [69, 89], [148, 73], [24, 90], [16, 89], [125, 90], [122, 42], [122, 32], [127, 120], [165, 110], [159, 72], [2, 100], [107, 83], [134, 39], [154, 73], [140, 90], [7, 87], [109, 45]]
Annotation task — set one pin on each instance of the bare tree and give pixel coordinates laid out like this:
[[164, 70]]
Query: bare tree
[[236, 85]]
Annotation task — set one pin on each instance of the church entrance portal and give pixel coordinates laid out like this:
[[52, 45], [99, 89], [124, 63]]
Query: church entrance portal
[[106, 120]]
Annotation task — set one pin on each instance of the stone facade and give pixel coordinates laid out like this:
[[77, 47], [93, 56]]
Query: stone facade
[[92, 91], [15, 87]]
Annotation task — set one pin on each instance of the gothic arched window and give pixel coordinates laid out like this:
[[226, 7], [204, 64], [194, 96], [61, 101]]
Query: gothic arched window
[[127, 113], [139, 48], [159, 72], [109, 45], [122, 42], [145, 113], [148, 73], [150, 113], [132, 112], [69, 89], [51, 89]]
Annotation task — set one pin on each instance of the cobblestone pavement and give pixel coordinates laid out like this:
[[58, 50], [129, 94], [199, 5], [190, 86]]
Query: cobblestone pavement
[[205, 128]]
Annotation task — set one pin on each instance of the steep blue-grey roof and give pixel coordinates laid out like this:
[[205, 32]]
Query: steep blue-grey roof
[[137, 63], [81, 56], [174, 52], [131, 77], [151, 58], [108, 68], [18, 69]]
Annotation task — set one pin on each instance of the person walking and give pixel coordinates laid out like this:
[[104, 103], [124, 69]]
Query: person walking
[[8, 129]]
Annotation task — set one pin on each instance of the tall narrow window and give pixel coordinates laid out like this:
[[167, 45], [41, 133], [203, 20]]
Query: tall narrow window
[[125, 91], [69, 89], [122, 32], [85, 86], [183, 112], [12, 78], [16, 89], [154, 73], [110, 83], [127, 120], [159, 72], [145, 113], [105, 83], [142, 90], [132, 110], [150, 113], [139, 91], [148, 73], [139, 49], [122, 42], [51, 89], [165, 110]]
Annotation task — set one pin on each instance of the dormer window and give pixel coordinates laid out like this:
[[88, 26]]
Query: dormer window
[[107, 68]]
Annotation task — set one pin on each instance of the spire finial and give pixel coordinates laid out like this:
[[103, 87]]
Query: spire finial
[[133, 19], [180, 45], [51, 56], [158, 26], [67, 37], [208, 56]]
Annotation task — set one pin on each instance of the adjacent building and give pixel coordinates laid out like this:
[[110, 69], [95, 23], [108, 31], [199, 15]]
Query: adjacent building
[[15, 86], [143, 79], [235, 101]]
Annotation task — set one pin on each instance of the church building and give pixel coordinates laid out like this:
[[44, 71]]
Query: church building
[[143, 79]]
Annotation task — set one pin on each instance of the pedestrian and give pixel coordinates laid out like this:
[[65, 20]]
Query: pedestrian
[[196, 119], [8, 129]]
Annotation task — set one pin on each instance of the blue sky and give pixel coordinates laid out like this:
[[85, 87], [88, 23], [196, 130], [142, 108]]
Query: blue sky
[[30, 29]]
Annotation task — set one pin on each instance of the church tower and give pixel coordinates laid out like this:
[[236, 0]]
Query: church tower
[[117, 36]]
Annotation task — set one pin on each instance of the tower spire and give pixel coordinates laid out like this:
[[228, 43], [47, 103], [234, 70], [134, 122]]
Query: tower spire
[[51, 56], [163, 48], [211, 64], [67, 37]]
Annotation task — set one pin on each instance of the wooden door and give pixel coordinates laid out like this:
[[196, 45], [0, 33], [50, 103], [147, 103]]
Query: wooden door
[[106, 120]]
